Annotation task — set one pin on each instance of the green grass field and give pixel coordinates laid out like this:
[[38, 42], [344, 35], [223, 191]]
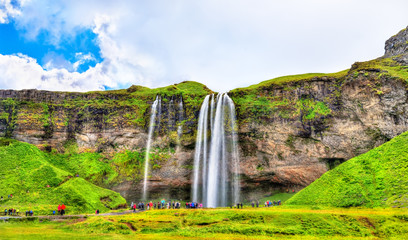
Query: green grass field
[[248, 223]]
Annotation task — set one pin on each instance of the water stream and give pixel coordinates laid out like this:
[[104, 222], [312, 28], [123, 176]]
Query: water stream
[[155, 107], [216, 159]]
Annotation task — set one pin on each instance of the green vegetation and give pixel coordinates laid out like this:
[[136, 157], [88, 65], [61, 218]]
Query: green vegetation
[[251, 107], [8, 115], [385, 67], [258, 223], [281, 81], [107, 169], [311, 109], [25, 172], [374, 179], [139, 99], [257, 102]]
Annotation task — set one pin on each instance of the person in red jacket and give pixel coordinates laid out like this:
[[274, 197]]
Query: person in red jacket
[[134, 207], [62, 209], [59, 209]]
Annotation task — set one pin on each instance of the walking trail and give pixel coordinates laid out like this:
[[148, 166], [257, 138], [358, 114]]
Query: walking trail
[[55, 217]]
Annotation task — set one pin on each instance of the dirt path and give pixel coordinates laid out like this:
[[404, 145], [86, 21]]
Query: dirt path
[[52, 217]]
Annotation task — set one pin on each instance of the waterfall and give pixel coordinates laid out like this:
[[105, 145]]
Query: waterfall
[[200, 148], [180, 124], [156, 105], [218, 165], [235, 154]]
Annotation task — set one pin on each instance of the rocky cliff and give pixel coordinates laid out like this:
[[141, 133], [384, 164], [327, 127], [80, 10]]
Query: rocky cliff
[[291, 129]]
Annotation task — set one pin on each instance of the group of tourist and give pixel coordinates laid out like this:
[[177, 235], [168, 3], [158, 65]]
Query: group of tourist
[[274, 203], [163, 205], [176, 205], [194, 205], [239, 205], [255, 203], [147, 206], [11, 211], [16, 212]]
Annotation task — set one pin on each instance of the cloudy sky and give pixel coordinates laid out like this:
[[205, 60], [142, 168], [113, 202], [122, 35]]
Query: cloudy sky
[[82, 45]]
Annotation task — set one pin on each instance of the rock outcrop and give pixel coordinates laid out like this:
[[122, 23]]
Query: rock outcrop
[[290, 131], [397, 46]]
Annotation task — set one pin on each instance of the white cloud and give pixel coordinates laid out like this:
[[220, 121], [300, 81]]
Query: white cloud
[[7, 10], [23, 72], [223, 44], [82, 59]]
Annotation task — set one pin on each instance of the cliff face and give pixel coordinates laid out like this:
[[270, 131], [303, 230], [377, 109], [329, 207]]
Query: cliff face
[[291, 129], [397, 47], [366, 110]]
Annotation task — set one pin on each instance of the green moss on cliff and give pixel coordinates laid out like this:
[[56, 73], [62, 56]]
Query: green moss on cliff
[[256, 107], [279, 97], [374, 179], [8, 115], [311, 109], [107, 169]]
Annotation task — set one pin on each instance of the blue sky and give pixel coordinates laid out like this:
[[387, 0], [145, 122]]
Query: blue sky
[[64, 55], [99, 44]]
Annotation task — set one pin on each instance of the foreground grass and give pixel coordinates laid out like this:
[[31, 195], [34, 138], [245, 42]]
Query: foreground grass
[[224, 223]]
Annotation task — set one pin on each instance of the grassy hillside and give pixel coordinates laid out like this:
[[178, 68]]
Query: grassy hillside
[[37, 184], [292, 78], [374, 179]]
